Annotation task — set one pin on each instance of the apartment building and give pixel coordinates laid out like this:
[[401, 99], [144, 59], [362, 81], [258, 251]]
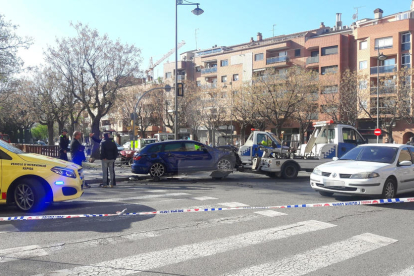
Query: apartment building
[[324, 50]]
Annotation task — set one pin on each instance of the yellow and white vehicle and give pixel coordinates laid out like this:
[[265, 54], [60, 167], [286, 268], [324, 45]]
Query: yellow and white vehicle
[[31, 180]]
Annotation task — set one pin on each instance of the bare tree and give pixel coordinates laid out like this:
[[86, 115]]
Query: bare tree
[[279, 95], [395, 100], [94, 67]]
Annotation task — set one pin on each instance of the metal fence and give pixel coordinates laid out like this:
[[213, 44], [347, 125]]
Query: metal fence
[[52, 151]]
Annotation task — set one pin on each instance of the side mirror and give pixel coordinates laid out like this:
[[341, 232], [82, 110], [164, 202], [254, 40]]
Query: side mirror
[[335, 159], [405, 163]]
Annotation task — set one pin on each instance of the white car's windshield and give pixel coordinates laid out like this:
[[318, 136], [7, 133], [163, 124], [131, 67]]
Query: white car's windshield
[[372, 154]]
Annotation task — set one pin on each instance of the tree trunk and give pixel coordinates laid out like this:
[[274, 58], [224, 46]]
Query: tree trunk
[[50, 132]]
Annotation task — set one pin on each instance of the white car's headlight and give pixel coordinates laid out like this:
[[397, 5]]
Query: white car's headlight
[[364, 175], [317, 171], [64, 172]]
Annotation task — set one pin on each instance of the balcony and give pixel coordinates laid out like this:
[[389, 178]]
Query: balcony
[[273, 60], [384, 69], [384, 90], [209, 70], [311, 60], [209, 85]]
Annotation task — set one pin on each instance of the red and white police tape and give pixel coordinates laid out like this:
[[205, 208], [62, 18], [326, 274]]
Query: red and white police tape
[[122, 213]]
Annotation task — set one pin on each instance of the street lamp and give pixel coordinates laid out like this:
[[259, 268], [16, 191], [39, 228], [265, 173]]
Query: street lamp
[[381, 57], [196, 11]]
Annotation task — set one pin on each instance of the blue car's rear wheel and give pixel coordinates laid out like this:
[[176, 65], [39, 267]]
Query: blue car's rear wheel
[[157, 171]]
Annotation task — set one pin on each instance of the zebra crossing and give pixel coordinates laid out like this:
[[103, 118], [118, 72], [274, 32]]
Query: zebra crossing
[[312, 259]]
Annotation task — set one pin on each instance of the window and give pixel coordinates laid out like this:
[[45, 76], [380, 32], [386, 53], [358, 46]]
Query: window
[[405, 42], [224, 62], [198, 69], [198, 83], [315, 54], [4, 156], [363, 64], [383, 43], [330, 89], [363, 45], [154, 148], [235, 77], [297, 53], [404, 155], [258, 57], [349, 135], [168, 75], [223, 78], [193, 147], [263, 139], [405, 60], [363, 84], [329, 70], [333, 50], [173, 147]]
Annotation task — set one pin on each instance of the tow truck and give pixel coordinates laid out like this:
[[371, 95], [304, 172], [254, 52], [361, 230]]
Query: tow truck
[[263, 152]]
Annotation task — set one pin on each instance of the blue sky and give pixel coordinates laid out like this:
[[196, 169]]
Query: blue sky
[[150, 24]]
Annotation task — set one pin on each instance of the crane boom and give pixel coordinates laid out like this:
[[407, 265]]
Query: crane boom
[[150, 71]]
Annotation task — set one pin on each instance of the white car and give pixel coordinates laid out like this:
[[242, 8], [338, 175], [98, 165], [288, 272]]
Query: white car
[[371, 169]]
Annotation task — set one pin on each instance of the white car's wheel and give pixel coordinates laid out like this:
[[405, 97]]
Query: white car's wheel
[[390, 189]]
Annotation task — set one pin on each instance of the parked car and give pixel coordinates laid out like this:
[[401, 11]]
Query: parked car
[[39, 142], [371, 169], [127, 145], [174, 157]]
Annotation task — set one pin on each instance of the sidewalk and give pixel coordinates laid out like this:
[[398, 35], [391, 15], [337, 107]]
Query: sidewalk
[[93, 172]]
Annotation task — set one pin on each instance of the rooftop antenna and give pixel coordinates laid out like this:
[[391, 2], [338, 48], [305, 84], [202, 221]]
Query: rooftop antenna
[[195, 35], [274, 29], [355, 15]]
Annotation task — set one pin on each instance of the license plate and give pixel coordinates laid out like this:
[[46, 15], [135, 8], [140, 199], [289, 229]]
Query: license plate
[[333, 183]]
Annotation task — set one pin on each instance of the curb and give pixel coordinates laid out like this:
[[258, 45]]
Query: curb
[[99, 180]]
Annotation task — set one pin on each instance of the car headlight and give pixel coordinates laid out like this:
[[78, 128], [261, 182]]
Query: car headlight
[[365, 175], [317, 171], [64, 172]]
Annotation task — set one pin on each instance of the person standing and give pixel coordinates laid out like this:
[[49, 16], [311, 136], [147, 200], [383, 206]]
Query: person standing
[[98, 141], [77, 150], [109, 152], [63, 144]]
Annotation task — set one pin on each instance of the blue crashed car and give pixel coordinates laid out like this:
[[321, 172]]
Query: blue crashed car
[[182, 156]]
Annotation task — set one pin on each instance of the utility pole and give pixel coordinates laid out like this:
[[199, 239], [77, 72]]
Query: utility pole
[[195, 35]]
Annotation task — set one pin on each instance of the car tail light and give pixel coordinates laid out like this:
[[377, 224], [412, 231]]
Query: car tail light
[[137, 158]]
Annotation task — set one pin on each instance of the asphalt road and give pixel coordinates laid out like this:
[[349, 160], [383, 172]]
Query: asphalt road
[[348, 240]]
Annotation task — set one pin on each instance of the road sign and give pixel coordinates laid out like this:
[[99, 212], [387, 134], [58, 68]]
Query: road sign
[[377, 132], [167, 88]]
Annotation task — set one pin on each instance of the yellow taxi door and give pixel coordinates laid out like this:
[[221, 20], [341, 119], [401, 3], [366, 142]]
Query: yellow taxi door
[[6, 174]]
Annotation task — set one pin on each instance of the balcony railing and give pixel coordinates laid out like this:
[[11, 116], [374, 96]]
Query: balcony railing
[[209, 85], [384, 69], [311, 60], [276, 59], [268, 78], [384, 90], [209, 70]]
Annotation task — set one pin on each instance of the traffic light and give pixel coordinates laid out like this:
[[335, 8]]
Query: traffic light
[[180, 89]]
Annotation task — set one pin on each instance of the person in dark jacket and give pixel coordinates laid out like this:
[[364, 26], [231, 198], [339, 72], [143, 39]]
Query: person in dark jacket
[[98, 141], [76, 148], [63, 145], [109, 152]]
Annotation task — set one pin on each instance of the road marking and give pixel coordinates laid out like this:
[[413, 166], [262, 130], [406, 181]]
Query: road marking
[[152, 260], [204, 198], [233, 204], [23, 252], [270, 213], [134, 198], [406, 272], [318, 258]]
